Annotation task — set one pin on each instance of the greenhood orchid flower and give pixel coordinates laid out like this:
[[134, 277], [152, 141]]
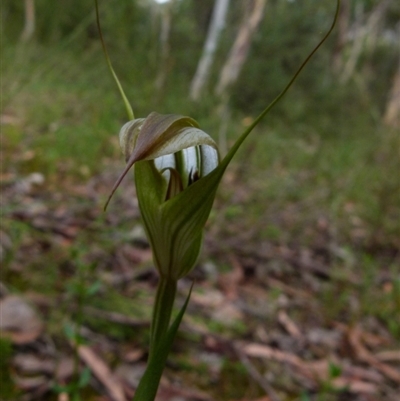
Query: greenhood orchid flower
[[177, 172], [171, 155], [182, 152]]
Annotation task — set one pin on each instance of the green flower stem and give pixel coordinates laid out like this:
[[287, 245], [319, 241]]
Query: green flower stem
[[162, 311]]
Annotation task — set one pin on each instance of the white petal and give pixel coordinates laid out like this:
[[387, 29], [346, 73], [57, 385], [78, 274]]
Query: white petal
[[164, 163], [209, 159]]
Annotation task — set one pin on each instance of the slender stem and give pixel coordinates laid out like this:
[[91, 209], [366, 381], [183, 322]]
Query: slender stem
[[110, 67], [225, 162], [162, 311]]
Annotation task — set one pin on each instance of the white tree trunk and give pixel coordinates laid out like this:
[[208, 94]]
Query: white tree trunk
[[240, 48], [210, 46], [29, 27], [365, 36], [164, 45], [392, 112]]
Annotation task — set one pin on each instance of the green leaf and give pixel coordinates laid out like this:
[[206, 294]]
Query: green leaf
[[334, 370], [148, 386], [94, 288], [151, 189], [174, 227], [84, 377]]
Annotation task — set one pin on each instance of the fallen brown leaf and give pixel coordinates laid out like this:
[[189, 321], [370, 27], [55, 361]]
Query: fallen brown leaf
[[115, 317], [258, 399], [102, 372], [288, 324], [388, 356], [264, 351], [354, 386], [31, 364], [63, 397], [362, 353], [30, 383], [316, 370], [19, 321]]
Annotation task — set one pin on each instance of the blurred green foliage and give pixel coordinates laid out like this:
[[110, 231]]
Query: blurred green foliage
[[7, 389], [66, 44]]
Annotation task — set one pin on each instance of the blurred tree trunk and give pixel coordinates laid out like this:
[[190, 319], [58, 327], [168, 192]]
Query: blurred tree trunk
[[164, 46], [234, 63], [240, 49], [392, 113], [29, 27], [365, 36], [210, 46]]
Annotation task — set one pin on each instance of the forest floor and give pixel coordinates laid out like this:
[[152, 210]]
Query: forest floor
[[285, 307]]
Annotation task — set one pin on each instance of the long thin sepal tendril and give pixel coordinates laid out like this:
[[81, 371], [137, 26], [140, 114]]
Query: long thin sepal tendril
[[124, 98]]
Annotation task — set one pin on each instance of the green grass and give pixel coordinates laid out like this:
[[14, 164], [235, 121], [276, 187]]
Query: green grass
[[7, 389], [350, 179]]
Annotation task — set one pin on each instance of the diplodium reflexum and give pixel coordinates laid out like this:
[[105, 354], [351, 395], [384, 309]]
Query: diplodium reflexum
[[171, 154], [177, 173]]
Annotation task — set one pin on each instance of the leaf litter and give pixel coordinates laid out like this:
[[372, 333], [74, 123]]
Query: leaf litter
[[257, 302]]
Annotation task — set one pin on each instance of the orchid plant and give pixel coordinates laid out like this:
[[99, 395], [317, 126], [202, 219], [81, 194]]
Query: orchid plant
[[177, 173]]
